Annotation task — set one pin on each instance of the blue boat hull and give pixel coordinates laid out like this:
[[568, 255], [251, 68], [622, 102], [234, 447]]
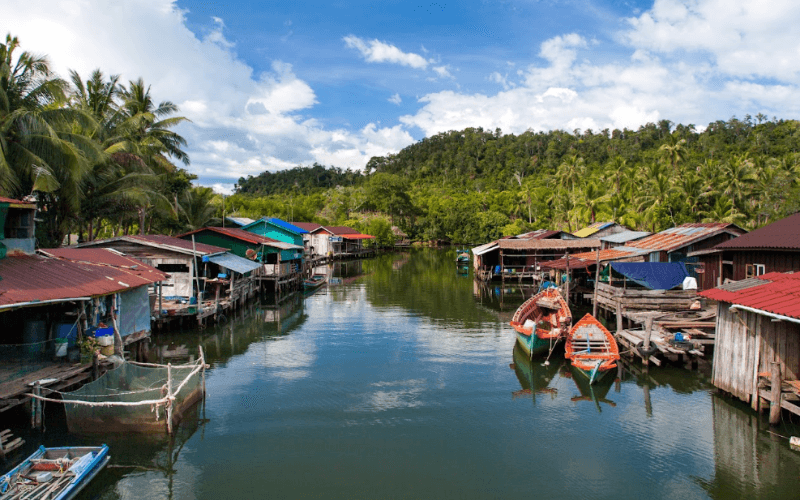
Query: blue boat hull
[[85, 462]]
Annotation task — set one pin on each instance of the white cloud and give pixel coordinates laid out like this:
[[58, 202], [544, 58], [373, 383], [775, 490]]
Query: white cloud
[[691, 61], [745, 37], [395, 99], [442, 71], [241, 123], [377, 51]]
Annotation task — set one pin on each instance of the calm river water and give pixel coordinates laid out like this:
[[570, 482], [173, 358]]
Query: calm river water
[[400, 380]]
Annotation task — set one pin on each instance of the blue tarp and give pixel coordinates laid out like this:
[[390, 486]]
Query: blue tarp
[[653, 275]]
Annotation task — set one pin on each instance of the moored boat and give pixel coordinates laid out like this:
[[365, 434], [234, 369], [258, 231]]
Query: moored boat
[[462, 256], [591, 348], [54, 473], [314, 281], [541, 321]]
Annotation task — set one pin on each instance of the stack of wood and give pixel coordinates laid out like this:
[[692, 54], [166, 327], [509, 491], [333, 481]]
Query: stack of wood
[[9, 443]]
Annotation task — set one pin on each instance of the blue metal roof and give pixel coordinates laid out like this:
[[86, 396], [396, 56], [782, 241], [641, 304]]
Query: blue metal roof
[[234, 263], [285, 225]]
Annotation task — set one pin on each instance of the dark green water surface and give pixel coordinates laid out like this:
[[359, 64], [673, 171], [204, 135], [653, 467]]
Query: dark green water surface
[[400, 380]]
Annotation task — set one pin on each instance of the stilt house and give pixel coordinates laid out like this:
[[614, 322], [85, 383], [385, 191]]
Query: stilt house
[[758, 339]]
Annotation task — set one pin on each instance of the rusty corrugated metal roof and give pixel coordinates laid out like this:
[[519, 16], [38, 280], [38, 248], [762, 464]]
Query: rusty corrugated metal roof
[[157, 241], [548, 244], [781, 235], [667, 241], [174, 241], [684, 235], [107, 257], [30, 278], [779, 294]]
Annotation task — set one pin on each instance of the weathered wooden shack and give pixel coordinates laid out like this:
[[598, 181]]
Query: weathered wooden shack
[[772, 248], [757, 356], [177, 257], [514, 258], [49, 303]]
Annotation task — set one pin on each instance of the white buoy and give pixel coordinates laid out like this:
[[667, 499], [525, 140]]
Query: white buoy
[[794, 442], [546, 363]]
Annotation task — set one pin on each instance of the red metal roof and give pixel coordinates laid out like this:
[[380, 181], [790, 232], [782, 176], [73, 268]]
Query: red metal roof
[[357, 236], [783, 234], [308, 226], [340, 230], [29, 278], [235, 233], [779, 294], [107, 257]]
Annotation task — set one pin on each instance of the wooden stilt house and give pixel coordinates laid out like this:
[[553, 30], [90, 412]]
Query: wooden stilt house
[[758, 340]]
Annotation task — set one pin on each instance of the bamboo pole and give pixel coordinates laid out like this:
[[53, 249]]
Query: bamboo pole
[[196, 274]]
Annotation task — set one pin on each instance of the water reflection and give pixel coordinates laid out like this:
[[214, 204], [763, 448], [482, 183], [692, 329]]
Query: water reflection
[[396, 382], [751, 460]]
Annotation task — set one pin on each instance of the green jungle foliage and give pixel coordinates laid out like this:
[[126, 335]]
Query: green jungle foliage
[[474, 185], [297, 179]]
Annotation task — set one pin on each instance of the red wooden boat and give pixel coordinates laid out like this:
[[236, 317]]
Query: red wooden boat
[[591, 348], [541, 321]]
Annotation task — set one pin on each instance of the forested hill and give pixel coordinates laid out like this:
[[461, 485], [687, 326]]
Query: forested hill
[[300, 179], [475, 185], [491, 160]]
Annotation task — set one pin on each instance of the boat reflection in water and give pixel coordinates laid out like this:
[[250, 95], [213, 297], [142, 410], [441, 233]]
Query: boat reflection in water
[[595, 392], [534, 376]]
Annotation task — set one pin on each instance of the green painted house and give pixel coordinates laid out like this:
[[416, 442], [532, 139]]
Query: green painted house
[[279, 257], [278, 230]]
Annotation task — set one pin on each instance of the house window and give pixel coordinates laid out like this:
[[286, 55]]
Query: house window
[[753, 270]]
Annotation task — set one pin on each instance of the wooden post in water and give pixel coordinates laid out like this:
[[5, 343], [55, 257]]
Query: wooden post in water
[[596, 279], [169, 396], [36, 407], [775, 407], [619, 316], [567, 287], [648, 329]]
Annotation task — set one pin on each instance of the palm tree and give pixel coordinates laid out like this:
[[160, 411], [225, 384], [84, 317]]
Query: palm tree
[[738, 178], [672, 150], [39, 148], [569, 172]]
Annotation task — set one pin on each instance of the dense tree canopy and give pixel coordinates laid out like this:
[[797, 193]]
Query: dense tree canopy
[[473, 185]]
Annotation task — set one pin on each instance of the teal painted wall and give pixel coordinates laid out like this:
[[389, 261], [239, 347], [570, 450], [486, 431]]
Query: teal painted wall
[[264, 228]]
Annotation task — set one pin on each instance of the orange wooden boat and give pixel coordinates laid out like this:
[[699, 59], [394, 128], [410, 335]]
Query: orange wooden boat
[[541, 321], [591, 348]]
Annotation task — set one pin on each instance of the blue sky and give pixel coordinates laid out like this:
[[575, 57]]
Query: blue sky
[[272, 85]]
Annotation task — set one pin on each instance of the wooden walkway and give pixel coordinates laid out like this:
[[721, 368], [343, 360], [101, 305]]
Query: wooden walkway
[[57, 377]]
